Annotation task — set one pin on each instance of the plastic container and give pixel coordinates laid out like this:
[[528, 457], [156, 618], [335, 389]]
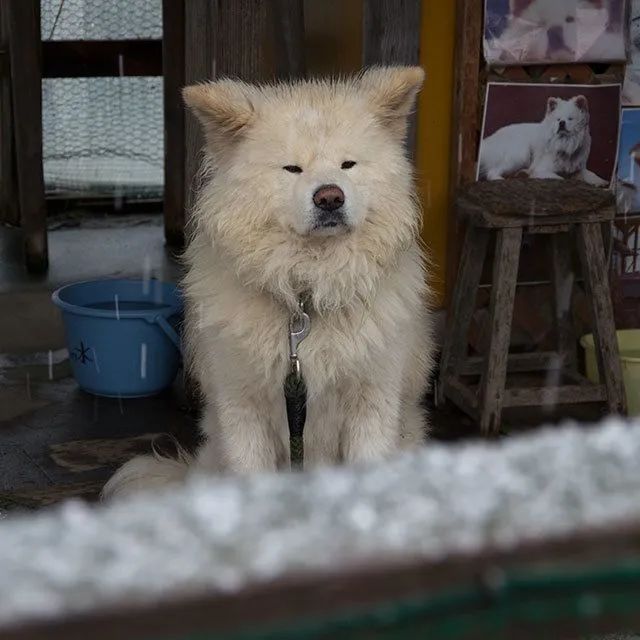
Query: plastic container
[[121, 335], [629, 346]]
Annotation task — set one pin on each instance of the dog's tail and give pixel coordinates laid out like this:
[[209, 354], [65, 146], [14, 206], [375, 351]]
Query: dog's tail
[[147, 472]]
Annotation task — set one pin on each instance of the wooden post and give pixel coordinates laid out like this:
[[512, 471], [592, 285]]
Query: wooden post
[[23, 24], [391, 30], [466, 120], [199, 56], [173, 69], [9, 210]]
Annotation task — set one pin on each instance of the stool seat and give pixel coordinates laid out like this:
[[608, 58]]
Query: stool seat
[[567, 212], [526, 202]]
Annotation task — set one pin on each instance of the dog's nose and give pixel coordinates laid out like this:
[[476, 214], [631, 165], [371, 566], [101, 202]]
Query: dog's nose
[[562, 125], [329, 197]]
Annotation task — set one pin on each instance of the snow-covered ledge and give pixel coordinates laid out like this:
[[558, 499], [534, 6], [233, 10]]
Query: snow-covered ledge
[[221, 535]]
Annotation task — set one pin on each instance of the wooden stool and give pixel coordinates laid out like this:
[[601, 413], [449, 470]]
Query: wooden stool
[[563, 209]]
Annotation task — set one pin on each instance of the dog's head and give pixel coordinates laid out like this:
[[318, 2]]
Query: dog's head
[[308, 176], [316, 158], [567, 117]]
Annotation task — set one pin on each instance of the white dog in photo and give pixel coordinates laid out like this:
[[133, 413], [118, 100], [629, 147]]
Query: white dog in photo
[[556, 148], [307, 193], [561, 31]]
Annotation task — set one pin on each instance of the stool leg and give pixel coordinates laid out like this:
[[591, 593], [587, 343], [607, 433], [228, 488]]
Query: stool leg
[[563, 279], [462, 306], [505, 277], [596, 279]]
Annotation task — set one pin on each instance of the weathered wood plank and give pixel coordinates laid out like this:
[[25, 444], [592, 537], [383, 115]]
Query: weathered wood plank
[[288, 26], [391, 35], [173, 63], [566, 394], [596, 280], [463, 302], [241, 28], [23, 22], [517, 363], [505, 276]]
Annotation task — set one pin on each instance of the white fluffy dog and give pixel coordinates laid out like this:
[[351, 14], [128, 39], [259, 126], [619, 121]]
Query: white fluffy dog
[[556, 148], [307, 193]]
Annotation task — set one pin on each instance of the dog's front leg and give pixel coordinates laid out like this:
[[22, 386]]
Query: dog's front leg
[[247, 440], [372, 423], [591, 178]]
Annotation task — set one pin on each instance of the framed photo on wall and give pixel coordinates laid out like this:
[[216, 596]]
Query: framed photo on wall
[[520, 32], [628, 172], [550, 131]]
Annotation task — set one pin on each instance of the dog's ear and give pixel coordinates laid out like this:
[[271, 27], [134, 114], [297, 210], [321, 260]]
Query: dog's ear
[[223, 108], [393, 92], [582, 103], [552, 104]]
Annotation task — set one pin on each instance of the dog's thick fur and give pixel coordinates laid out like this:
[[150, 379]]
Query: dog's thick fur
[[256, 248], [556, 148]]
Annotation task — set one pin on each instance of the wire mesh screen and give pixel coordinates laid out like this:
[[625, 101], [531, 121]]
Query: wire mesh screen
[[101, 19], [103, 136]]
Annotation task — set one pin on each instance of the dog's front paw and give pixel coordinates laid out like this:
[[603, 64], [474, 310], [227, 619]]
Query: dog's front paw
[[591, 178]]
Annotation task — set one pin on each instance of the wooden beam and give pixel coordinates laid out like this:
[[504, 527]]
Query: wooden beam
[[23, 22], [391, 30], [173, 64], [103, 58]]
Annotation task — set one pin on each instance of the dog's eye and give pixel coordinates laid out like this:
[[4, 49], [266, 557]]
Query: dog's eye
[[571, 19], [347, 164], [292, 168]]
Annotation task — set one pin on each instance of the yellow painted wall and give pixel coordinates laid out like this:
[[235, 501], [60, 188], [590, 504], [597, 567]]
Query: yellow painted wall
[[434, 130], [334, 44]]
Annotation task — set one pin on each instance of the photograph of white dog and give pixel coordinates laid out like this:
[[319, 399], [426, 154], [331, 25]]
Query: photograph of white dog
[[554, 31], [628, 172], [631, 90], [550, 131]]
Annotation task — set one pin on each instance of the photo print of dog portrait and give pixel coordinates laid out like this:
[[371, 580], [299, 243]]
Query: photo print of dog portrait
[[554, 31], [628, 174], [550, 131], [631, 89]]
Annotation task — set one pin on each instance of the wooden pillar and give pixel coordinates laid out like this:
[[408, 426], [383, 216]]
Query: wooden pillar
[[23, 25], [391, 34], [173, 69], [9, 210]]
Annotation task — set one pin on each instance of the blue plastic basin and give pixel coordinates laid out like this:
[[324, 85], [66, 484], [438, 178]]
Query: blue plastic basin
[[121, 335]]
